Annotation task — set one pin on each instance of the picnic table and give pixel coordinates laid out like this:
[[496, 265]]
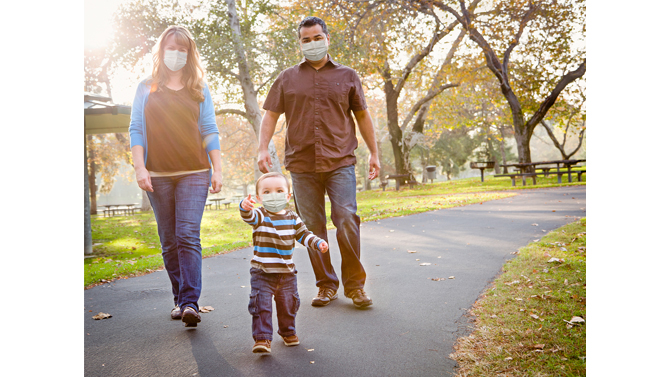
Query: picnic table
[[529, 169], [112, 209], [399, 178], [219, 201]]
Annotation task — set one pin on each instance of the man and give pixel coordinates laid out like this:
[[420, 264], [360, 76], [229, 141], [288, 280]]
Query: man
[[318, 96]]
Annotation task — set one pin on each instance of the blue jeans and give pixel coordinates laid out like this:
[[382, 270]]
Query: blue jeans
[[284, 287], [340, 184], [178, 204]]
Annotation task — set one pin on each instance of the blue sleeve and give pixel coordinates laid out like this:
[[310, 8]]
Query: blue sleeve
[[136, 129], [208, 128]]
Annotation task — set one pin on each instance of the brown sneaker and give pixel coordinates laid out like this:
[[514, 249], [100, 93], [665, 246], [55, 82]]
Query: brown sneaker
[[324, 297], [361, 300], [291, 340], [262, 346], [176, 312], [190, 317]]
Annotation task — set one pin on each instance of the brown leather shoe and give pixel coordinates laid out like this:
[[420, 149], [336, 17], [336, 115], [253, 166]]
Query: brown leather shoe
[[361, 300], [324, 297], [291, 340], [190, 317], [262, 346], [176, 312]]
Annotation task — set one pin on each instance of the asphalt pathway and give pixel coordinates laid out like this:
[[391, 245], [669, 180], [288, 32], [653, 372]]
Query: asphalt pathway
[[409, 331]]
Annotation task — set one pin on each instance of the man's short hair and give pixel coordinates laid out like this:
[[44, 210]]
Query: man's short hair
[[311, 21]]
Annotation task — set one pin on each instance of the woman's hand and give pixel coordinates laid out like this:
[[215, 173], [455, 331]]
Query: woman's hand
[[217, 182], [143, 179], [248, 203]]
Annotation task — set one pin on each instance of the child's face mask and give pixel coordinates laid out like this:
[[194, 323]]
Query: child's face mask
[[274, 202]]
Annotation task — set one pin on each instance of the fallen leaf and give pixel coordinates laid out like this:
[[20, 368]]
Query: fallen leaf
[[424, 264], [577, 319], [102, 315], [534, 224], [508, 359], [391, 230], [437, 279], [411, 251], [534, 316], [311, 362], [553, 259], [539, 346], [451, 277], [206, 309], [310, 350]]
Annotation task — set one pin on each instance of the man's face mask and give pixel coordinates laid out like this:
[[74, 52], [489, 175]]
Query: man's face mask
[[175, 60], [315, 50], [274, 202]]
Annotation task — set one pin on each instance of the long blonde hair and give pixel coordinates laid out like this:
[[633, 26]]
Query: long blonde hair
[[192, 75]]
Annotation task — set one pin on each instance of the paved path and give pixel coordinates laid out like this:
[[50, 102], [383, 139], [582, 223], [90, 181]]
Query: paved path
[[409, 331]]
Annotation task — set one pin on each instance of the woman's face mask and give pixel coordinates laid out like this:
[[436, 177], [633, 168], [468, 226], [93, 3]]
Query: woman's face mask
[[174, 59], [315, 50]]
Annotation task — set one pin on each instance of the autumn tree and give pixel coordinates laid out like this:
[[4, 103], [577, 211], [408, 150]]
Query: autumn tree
[[533, 50], [567, 118], [104, 152], [401, 60]]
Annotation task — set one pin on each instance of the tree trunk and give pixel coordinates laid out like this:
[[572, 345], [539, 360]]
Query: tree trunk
[[253, 111], [88, 238], [146, 204], [395, 132], [93, 188]]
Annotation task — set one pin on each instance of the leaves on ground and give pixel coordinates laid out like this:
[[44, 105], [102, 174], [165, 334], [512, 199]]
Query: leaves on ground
[[206, 309], [102, 315]]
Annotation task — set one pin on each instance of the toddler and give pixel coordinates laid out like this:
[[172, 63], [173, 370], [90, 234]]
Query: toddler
[[273, 272]]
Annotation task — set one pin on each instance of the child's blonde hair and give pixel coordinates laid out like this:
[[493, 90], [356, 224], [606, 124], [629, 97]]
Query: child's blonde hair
[[269, 175]]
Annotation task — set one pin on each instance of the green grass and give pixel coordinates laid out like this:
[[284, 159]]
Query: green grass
[[521, 321], [126, 246]]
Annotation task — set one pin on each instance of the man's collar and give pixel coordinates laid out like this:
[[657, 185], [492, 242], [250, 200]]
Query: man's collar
[[330, 60]]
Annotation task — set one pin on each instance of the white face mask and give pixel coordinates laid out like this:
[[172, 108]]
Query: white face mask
[[175, 60], [315, 50]]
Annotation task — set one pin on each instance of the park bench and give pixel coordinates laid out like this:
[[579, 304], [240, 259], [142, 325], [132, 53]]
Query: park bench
[[398, 178]]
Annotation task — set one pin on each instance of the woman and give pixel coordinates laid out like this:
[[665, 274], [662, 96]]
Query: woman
[[173, 140]]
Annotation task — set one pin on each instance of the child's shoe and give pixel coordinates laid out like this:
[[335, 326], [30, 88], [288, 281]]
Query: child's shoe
[[262, 346], [291, 340]]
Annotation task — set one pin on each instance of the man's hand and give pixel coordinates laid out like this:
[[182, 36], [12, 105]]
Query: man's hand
[[323, 246], [264, 161], [248, 203], [373, 163]]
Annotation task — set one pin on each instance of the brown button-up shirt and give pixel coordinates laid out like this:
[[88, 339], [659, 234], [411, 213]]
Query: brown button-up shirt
[[320, 133]]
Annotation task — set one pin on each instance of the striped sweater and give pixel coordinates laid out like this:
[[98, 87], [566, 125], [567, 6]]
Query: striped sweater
[[274, 238]]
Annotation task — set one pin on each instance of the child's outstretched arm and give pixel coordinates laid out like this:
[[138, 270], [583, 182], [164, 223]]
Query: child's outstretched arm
[[307, 238], [247, 211]]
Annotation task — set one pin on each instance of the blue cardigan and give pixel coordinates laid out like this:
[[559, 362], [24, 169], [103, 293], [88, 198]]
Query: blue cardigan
[[206, 121]]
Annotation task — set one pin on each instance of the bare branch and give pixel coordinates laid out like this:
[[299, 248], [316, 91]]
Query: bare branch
[[551, 99]]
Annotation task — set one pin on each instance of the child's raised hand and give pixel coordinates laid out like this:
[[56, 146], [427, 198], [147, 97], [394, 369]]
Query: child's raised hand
[[323, 246], [248, 203]]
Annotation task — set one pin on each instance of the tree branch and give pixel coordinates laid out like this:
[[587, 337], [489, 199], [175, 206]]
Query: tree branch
[[551, 99]]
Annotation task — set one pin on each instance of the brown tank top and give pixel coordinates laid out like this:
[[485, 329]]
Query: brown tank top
[[174, 142]]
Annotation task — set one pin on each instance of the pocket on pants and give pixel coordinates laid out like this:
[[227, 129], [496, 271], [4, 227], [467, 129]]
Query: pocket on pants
[[296, 302], [253, 303]]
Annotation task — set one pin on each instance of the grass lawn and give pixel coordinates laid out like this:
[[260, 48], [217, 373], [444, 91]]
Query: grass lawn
[[530, 322], [125, 246]]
